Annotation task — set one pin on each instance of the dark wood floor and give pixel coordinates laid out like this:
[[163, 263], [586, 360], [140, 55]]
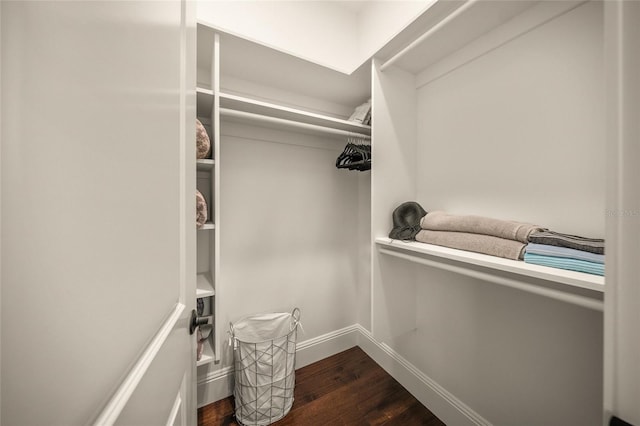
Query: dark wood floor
[[346, 389]]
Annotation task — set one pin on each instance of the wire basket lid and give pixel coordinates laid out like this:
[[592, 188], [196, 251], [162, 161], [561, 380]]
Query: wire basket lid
[[264, 327]]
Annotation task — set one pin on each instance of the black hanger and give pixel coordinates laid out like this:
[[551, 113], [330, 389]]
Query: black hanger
[[355, 156]]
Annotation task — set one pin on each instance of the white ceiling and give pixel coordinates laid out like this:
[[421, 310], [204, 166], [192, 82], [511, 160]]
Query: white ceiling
[[353, 6]]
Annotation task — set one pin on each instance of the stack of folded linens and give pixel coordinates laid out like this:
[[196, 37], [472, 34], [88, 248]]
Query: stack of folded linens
[[564, 251], [479, 234]]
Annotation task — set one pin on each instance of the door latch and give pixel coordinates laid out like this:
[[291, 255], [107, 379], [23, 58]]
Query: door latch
[[196, 321]]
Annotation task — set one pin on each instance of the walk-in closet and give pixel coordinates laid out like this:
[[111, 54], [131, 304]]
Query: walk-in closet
[[299, 135]]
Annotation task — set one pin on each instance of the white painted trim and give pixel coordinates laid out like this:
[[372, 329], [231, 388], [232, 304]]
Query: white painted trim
[[516, 267], [218, 384], [0, 217], [226, 112], [529, 20], [217, 375], [575, 299], [443, 404], [214, 386], [274, 110], [622, 296], [453, 15], [216, 271], [326, 345], [118, 401], [173, 414]]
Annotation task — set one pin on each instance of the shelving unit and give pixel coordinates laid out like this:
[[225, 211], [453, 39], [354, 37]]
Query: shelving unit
[[469, 118], [204, 286], [263, 114], [207, 178], [204, 103], [241, 108], [205, 164]]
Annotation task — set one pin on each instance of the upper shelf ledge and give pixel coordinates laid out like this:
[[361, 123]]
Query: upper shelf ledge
[[268, 109], [576, 279], [478, 23], [244, 107], [437, 256]]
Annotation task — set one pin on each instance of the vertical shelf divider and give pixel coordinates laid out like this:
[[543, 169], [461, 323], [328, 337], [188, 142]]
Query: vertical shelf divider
[[215, 119]]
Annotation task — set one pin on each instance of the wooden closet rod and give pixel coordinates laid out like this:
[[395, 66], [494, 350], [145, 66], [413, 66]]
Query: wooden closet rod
[[281, 121], [575, 299], [453, 15]]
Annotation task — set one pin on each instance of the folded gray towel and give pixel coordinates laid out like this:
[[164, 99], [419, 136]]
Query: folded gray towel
[[551, 238], [478, 243], [441, 221]]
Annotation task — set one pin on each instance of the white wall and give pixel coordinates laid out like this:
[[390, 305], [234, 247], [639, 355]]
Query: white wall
[[318, 31], [380, 21], [518, 133], [291, 235], [622, 298], [507, 353], [341, 35]]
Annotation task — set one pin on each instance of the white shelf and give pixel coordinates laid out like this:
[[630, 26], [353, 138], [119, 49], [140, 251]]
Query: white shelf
[[205, 164], [204, 102], [204, 287], [562, 276], [565, 287], [207, 353], [463, 25], [208, 226], [246, 108], [268, 109], [206, 359]]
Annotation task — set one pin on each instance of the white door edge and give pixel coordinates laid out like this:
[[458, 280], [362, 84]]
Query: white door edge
[[114, 407]]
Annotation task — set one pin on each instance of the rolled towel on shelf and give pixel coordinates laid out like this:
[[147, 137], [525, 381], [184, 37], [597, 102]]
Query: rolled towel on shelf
[[406, 221], [485, 244], [547, 250], [203, 144], [552, 238], [442, 221], [201, 209]]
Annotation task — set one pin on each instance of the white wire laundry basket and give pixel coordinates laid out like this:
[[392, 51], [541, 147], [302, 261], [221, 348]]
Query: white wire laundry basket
[[264, 351]]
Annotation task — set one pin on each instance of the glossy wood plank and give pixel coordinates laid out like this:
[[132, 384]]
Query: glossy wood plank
[[348, 388]]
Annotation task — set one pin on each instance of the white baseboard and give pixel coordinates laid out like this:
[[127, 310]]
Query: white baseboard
[[219, 384], [443, 404], [321, 347]]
